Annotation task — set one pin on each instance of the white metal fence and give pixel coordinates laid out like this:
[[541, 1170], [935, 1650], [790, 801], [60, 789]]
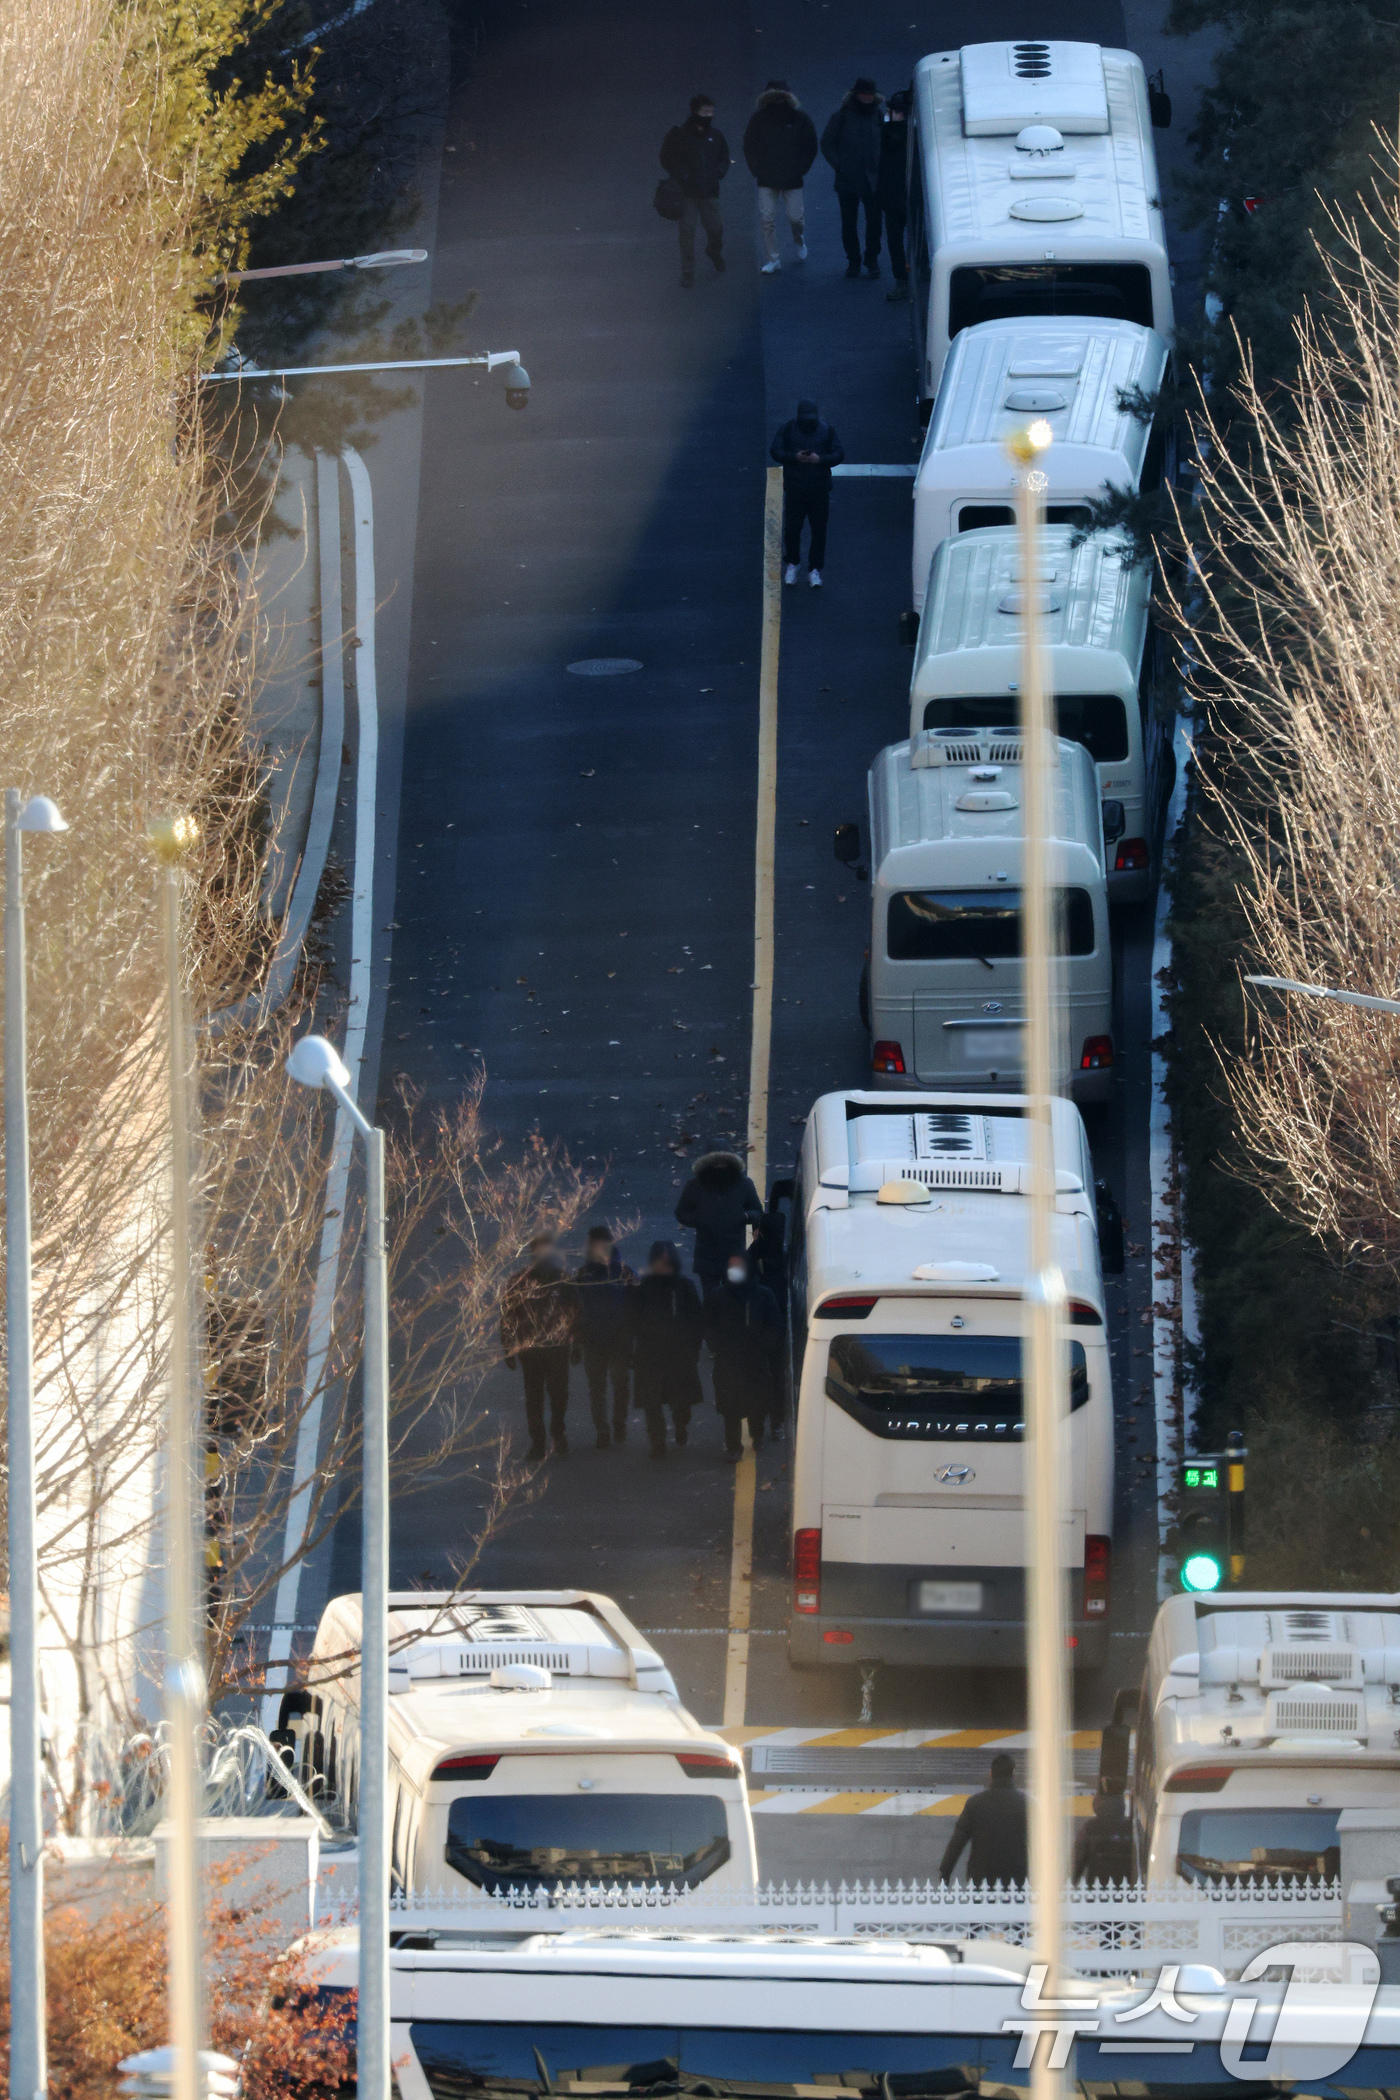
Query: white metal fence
[[1120, 1931]]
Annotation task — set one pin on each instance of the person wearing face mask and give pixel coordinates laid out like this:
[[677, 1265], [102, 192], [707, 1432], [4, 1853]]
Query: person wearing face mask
[[851, 143], [893, 188], [696, 157], [663, 1330], [806, 449], [744, 1330]]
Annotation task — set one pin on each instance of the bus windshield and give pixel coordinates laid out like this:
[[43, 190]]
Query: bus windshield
[[503, 1841], [1259, 1844], [1040, 291], [939, 1388]]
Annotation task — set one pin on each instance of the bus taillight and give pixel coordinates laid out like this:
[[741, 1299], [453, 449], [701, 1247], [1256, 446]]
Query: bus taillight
[[1098, 1563], [467, 1767], [807, 1570]]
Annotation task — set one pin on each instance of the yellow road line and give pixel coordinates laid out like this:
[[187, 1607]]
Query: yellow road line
[[736, 1665], [736, 1661]]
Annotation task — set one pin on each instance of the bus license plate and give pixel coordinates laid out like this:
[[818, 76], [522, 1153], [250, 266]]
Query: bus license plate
[[950, 1596], [994, 1047]]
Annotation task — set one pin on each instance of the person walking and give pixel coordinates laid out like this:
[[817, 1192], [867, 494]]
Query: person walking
[[744, 1330], [1103, 1844], [603, 1284], [720, 1203], [664, 1328], [806, 449], [851, 142], [537, 1332], [780, 144], [993, 1824], [696, 158], [892, 188]]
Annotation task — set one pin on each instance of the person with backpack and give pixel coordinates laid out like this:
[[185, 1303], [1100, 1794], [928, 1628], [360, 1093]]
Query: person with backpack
[[696, 158], [780, 144]]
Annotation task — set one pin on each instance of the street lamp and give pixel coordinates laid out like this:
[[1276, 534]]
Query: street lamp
[[387, 259], [185, 1685], [1368, 1000], [1045, 1285], [316, 1063], [507, 362], [29, 2077]]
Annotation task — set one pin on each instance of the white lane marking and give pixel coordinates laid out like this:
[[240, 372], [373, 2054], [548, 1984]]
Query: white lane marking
[[880, 473], [361, 950]]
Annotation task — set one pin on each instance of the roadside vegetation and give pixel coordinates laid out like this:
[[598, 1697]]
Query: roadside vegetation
[[1284, 1109]]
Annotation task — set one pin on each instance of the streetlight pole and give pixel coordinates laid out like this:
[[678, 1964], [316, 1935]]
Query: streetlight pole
[[29, 2077], [1369, 1000], [1045, 1285], [315, 1062], [387, 259], [184, 1664]]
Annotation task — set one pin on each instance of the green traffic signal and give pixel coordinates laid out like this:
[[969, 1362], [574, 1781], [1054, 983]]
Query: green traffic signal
[[1201, 1571]]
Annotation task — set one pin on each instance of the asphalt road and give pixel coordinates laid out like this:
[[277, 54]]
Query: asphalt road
[[572, 887]]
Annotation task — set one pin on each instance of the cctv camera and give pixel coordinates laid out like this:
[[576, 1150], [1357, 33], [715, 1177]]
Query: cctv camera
[[517, 386]]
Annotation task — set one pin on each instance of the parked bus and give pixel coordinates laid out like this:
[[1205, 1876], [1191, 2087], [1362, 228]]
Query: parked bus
[[909, 1244], [1091, 381], [1102, 653], [1033, 193], [534, 1737]]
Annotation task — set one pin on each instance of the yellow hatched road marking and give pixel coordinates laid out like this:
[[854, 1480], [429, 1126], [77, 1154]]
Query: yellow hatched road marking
[[846, 1804]]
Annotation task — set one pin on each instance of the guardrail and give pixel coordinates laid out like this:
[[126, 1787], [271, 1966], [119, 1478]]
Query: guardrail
[[1109, 1931]]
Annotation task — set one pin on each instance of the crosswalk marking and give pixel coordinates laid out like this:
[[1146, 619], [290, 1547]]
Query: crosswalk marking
[[800, 1801]]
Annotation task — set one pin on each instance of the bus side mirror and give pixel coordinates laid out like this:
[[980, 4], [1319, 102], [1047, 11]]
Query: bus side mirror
[[1110, 1224], [1115, 821], [1126, 1707], [1159, 103], [909, 630], [846, 847], [1113, 1758]]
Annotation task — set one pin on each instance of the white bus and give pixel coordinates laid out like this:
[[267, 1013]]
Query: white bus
[[1033, 193], [908, 1258], [1260, 1718], [1104, 660], [944, 992], [1090, 381], [534, 1737], [651, 2011]]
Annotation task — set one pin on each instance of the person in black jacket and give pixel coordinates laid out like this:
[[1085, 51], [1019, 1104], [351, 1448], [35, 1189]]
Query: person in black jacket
[[1103, 1846], [696, 158], [851, 142], [780, 145], [744, 1329], [806, 449], [603, 1285], [892, 187], [721, 1203], [994, 1825], [664, 1327], [537, 1332]]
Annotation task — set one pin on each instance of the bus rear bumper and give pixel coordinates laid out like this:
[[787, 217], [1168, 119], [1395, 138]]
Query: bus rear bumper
[[830, 1642]]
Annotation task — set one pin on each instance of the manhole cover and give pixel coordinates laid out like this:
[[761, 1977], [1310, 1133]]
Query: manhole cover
[[604, 666]]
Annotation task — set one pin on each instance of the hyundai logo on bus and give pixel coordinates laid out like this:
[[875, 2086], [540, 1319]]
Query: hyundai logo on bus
[[955, 1476]]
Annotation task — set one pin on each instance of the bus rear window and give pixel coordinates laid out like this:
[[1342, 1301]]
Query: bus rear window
[[1042, 291], [503, 1841], [1259, 1845], [939, 1388], [973, 516], [978, 925], [1098, 721]]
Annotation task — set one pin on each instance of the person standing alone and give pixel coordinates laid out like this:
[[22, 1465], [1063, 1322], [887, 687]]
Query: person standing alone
[[892, 188], [537, 1332], [664, 1328], [780, 145], [993, 1825], [602, 1287], [696, 158], [851, 142], [806, 449]]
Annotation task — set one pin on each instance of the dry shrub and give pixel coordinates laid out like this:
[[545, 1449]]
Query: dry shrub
[[1298, 647], [107, 1998]]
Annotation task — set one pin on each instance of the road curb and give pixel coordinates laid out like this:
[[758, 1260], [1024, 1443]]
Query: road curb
[[1173, 1272]]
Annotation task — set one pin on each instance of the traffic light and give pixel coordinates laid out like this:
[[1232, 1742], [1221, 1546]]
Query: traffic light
[[1210, 1519]]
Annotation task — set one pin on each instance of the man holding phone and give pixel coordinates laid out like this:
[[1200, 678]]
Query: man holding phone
[[806, 449]]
